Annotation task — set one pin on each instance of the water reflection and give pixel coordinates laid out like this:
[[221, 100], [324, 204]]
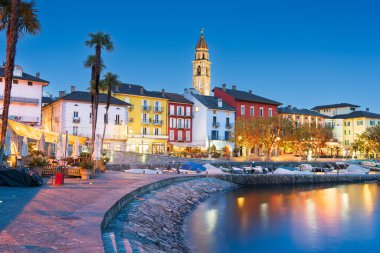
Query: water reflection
[[341, 218]]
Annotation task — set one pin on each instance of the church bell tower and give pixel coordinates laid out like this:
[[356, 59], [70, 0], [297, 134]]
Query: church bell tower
[[202, 67]]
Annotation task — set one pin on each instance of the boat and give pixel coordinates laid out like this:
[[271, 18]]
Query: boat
[[347, 168], [290, 170], [235, 170], [305, 167], [256, 170]]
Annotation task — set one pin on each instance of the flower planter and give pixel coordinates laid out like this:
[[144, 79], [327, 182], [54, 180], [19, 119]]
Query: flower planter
[[85, 174]]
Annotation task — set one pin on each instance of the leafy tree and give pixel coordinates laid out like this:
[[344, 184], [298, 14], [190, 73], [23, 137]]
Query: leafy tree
[[17, 18], [245, 134]]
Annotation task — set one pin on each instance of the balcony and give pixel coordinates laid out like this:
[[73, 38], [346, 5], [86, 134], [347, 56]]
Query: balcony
[[23, 100], [158, 109], [180, 126], [118, 122], [28, 119], [157, 122], [172, 113], [229, 125], [215, 124], [76, 120], [131, 107], [146, 122], [146, 108]]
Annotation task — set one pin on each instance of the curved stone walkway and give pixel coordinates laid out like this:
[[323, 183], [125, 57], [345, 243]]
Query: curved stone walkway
[[64, 218]]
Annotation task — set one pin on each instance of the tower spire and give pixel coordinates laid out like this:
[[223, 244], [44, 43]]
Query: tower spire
[[202, 67]]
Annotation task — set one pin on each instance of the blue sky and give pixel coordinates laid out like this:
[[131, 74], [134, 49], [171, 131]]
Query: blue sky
[[298, 52]]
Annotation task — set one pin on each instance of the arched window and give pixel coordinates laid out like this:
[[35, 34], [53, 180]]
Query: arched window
[[199, 71]]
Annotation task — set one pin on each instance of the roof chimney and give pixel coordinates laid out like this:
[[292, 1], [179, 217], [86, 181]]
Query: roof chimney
[[72, 88], [186, 90], [224, 86], [220, 102], [250, 91], [142, 90], [51, 96], [38, 74], [367, 109], [62, 93], [163, 92], [234, 87]]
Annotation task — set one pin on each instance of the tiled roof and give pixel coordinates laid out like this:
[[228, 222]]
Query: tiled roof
[[47, 100], [137, 90], [212, 103], [84, 96], [357, 114], [295, 110], [201, 42], [24, 76], [246, 96], [174, 97], [334, 106]]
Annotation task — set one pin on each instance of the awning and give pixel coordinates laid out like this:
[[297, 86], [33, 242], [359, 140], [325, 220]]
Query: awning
[[35, 133]]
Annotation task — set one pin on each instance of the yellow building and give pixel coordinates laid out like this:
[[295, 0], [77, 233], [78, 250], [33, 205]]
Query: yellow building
[[147, 122], [356, 123]]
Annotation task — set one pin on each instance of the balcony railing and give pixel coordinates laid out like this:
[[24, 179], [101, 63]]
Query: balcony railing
[[158, 109], [147, 121], [157, 122], [215, 124], [180, 126], [229, 125], [25, 118], [23, 100], [76, 119], [118, 122], [146, 108]]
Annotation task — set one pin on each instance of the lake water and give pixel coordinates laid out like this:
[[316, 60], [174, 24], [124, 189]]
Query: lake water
[[344, 218]]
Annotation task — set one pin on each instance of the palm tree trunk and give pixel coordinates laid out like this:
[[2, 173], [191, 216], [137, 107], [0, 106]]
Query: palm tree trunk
[[12, 36], [107, 107], [96, 89], [92, 92]]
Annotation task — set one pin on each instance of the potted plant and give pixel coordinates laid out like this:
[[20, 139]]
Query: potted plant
[[38, 161], [86, 167], [105, 159]]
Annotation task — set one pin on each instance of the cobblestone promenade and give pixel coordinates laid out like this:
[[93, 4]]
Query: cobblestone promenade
[[62, 218]]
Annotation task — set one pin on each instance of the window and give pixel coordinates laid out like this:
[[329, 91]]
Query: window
[[252, 111], [214, 135], [144, 131], [30, 83], [179, 123], [75, 130], [90, 118], [227, 122], [242, 110], [188, 111], [171, 135], [144, 118], [156, 131], [378, 123], [76, 115], [117, 119], [372, 123], [172, 112], [173, 123], [270, 112], [15, 81], [179, 137], [261, 112], [188, 136], [227, 135], [180, 111], [187, 123], [199, 71], [359, 122], [1, 79]]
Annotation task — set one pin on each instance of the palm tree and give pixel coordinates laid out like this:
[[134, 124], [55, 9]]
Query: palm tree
[[99, 41], [90, 63], [110, 81], [17, 17]]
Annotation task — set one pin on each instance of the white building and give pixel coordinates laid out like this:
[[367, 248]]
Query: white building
[[213, 121], [72, 113], [26, 96], [335, 109]]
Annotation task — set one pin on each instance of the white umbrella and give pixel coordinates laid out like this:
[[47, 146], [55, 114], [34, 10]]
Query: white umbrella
[[59, 153], [24, 147], [41, 144], [8, 137], [96, 155], [75, 154]]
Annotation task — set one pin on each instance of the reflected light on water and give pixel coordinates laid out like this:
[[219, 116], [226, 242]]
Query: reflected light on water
[[240, 202], [211, 217]]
